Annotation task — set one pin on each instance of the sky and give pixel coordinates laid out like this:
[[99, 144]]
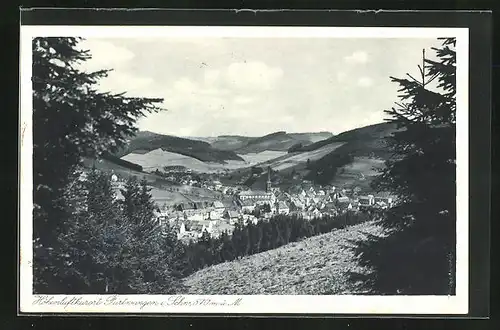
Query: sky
[[219, 86]]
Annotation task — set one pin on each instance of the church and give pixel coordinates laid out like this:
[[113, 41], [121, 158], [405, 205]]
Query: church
[[259, 196]]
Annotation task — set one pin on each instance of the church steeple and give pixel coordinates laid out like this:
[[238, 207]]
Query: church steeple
[[268, 183]]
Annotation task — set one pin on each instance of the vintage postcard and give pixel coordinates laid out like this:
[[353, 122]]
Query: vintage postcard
[[221, 170]]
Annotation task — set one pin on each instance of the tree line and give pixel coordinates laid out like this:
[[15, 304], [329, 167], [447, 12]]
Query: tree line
[[250, 239], [108, 245]]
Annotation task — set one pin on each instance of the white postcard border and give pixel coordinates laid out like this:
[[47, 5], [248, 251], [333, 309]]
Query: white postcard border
[[254, 304]]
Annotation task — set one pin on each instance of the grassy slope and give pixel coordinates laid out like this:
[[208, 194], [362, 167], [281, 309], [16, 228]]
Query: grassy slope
[[317, 265], [280, 141], [230, 142], [148, 141], [163, 191], [158, 159], [366, 146], [366, 134]]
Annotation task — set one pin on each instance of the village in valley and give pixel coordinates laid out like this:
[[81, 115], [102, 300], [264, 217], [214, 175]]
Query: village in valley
[[239, 204], [223, 166]]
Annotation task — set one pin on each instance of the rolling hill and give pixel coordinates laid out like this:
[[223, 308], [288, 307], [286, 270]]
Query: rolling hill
[[229, 142], [352, 158], [211, 154], [159, 158], [109, 165], [162, 191], [277, 141], [319, 265], [361, 146], [280, 141], [145, 142], [363, 140]]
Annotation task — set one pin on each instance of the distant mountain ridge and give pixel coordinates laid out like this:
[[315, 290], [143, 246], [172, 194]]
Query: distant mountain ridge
[[364, 134], [220, 148], [339, 160], [319, 156], [145, 141], [277, 141]]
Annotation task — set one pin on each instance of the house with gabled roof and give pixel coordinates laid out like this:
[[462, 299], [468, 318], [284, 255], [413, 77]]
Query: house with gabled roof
[[218, 205], [199, 205], [296, 204], [282, 208], [344, 205], [232, 215], [343, 199], [186, 207], [247, 206], [385, 197], [316, 213]]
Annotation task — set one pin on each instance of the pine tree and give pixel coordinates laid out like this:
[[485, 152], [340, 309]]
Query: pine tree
[[245, 241], [256, 238], [92, 243], [71, 119], [422, 175], [138, 205], [101, 199], [228, 251], [153, 256]]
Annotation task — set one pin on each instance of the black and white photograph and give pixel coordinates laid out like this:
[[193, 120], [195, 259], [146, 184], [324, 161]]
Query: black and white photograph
[[234, 170]]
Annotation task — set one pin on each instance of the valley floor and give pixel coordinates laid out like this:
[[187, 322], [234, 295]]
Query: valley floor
[[315, 266]]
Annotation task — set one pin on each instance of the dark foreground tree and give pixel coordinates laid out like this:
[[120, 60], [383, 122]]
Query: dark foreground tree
[[102, 251], [72, 119], [419, 256]]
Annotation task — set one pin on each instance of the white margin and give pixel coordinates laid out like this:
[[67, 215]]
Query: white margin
[[258, 304]]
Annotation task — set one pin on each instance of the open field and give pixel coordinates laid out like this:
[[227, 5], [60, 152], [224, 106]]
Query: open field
[[317, 265], [261, 157], [181, 194], [358, 173], [200, 150], [161, 191], [108, 166], [296, 159], [157, 159]]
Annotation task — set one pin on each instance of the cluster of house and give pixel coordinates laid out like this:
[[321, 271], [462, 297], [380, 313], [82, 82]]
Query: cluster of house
[[216, 185], [191, 220], [188, 179], [179, 175], [330, 201]]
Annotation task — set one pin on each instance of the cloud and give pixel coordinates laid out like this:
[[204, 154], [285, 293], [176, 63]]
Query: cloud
[[211, 76], [119, 82], [365, 82], [252, 75], [357, 57], [105, 55], [255, 86], [241, 99], [185, 85], [341, 76]]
